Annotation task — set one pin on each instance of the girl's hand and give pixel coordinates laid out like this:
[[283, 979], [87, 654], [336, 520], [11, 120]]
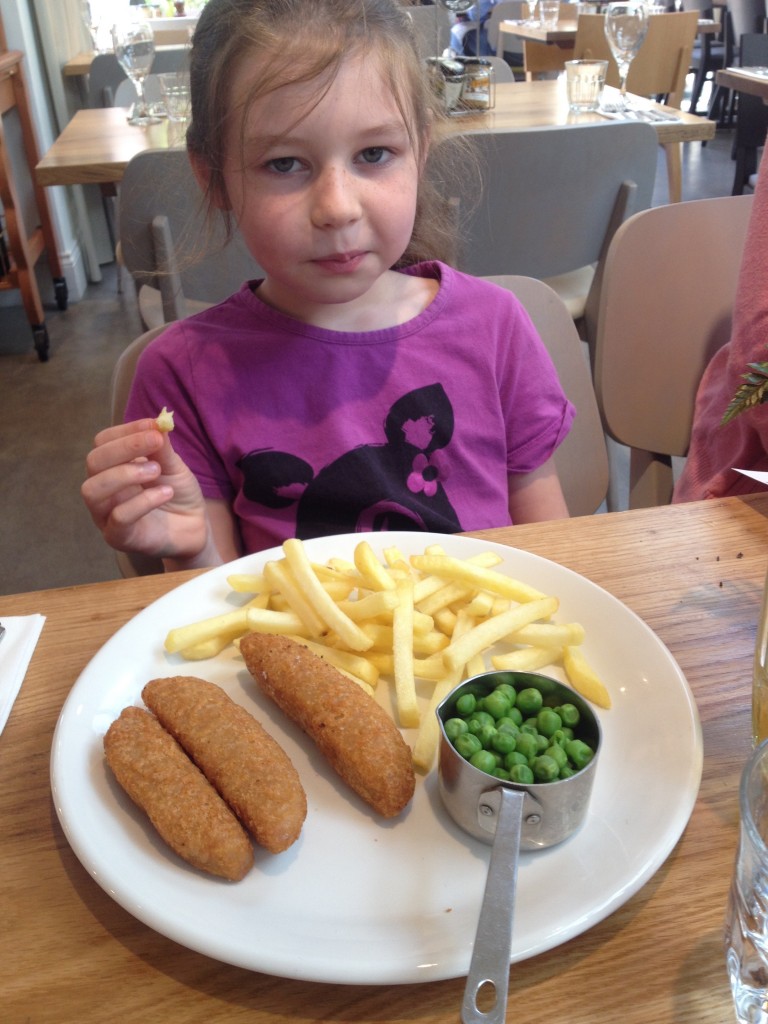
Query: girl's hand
[[142, 496]]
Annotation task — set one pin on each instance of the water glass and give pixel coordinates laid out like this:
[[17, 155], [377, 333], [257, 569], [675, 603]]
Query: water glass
[[549, 12], [176, 98], [746, 924], [584, 82]]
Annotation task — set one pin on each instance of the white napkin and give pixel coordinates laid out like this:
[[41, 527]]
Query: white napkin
[[754, 474], [16, 649]]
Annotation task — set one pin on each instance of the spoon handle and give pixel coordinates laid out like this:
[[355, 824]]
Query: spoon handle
[[489, 967]]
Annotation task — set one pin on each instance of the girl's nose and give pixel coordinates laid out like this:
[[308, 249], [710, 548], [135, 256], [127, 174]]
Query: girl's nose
[[335, 201]]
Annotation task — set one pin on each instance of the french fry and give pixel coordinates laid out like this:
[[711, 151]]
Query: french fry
[[322, 603], [549, 634], [527, 659], [583, 677], [464, 571], [490, 631], [370, 568], [402, 649], [279, 577], [231, 624]]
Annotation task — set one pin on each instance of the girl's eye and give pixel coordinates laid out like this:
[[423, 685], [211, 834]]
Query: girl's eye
[[374, 154], [283, 164]]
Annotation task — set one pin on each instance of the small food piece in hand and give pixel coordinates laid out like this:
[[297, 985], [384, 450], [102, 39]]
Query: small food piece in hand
[[180, 802], [354, 733], [239, 758], [164, 421]]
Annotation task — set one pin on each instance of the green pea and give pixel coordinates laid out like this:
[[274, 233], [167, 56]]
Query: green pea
[[559, 736], [579, 753], [548, 721], [542, 742], [466, 704], [507, 724], [496, 704], [510, 760], [530, 701], [566, 772], [526, 745], [484, 760], [485, 734], [505, 743], [557, 754], [467, 744], [516, 715], [545, 768], [480, 719], [455, 727], [501, 773], [521, 774], [570, 715], [509, 690], [528, 729]]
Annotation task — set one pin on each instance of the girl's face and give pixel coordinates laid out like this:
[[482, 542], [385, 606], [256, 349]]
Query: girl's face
[[324, 193]]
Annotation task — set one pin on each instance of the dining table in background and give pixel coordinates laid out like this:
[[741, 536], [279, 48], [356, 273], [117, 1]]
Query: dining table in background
[[96, 145], [744, 80], [69, 953], [564, 32]]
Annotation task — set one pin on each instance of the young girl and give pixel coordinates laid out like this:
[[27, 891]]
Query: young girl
[[353, 387]]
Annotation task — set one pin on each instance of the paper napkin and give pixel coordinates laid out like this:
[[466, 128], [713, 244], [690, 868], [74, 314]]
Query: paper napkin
[[16, 649], [755, 475]]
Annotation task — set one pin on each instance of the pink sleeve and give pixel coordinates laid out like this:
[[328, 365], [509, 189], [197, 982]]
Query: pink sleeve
[[743, 443]]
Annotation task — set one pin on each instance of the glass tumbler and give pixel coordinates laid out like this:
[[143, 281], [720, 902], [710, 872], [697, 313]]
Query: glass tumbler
[[746, 923]]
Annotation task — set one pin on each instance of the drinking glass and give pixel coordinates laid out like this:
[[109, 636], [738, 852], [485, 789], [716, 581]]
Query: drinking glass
[[625, 27], [531, 19], [134, 44], [746, 921]]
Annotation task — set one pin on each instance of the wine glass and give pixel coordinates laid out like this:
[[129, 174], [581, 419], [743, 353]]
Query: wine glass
[[134, 44], [626, 24]]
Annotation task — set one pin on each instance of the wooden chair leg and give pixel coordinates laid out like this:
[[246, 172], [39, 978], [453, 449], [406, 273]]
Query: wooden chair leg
[[674, 156]]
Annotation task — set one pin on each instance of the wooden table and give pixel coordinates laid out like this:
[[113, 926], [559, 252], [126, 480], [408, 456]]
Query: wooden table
[[69, 954], [97, 144], [564, 32], [741, 80]]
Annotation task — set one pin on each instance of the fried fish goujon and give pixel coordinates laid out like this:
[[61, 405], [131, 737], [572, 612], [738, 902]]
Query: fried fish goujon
[[180, 802], [244, 763], [358, 738]]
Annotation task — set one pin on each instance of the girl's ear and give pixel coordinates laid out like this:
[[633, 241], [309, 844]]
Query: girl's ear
[[202, 173]]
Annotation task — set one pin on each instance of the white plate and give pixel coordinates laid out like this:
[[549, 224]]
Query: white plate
[[359, 900]]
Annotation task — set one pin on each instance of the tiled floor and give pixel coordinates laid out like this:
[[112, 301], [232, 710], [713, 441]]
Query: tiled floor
[[49, 412]]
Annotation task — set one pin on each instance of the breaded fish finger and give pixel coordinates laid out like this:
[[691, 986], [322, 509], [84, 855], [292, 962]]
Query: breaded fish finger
[[239, 758], [354, 733], [180, 802]]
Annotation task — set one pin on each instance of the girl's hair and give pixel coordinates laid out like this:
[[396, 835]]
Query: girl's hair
[[297, 41]]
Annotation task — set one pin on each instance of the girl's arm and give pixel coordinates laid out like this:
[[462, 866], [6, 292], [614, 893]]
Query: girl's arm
[[536, 496]]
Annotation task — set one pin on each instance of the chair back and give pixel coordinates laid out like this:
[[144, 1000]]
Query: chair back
[[582, 458], [502, 72], [543, 201], [663, 61], [505, 10], [665, 308], [104, 76], [432, 25], [746, 16], [166, 240], [130, 563]]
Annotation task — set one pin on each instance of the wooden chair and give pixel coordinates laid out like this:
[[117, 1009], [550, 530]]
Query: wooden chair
[[582, 459], [547, 58], [544, 202], [179, 262], [659, 69], [665, 308]]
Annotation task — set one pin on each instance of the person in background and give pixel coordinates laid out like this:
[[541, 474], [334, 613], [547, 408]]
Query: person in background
[[468, 35], [362, 384], [718, 449]]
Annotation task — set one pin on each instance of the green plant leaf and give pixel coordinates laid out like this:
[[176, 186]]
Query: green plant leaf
[[754, 391]]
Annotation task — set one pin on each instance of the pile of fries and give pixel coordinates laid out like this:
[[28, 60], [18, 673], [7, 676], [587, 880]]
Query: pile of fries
[[427, 622]]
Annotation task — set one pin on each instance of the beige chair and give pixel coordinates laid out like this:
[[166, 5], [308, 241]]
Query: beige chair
[[179, 262], [544, 202], [544, 59], [130, 563], [582, 459], [665, 308], [658, 70]]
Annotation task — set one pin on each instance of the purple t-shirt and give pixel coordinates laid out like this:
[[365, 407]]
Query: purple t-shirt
[[309, 432]]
